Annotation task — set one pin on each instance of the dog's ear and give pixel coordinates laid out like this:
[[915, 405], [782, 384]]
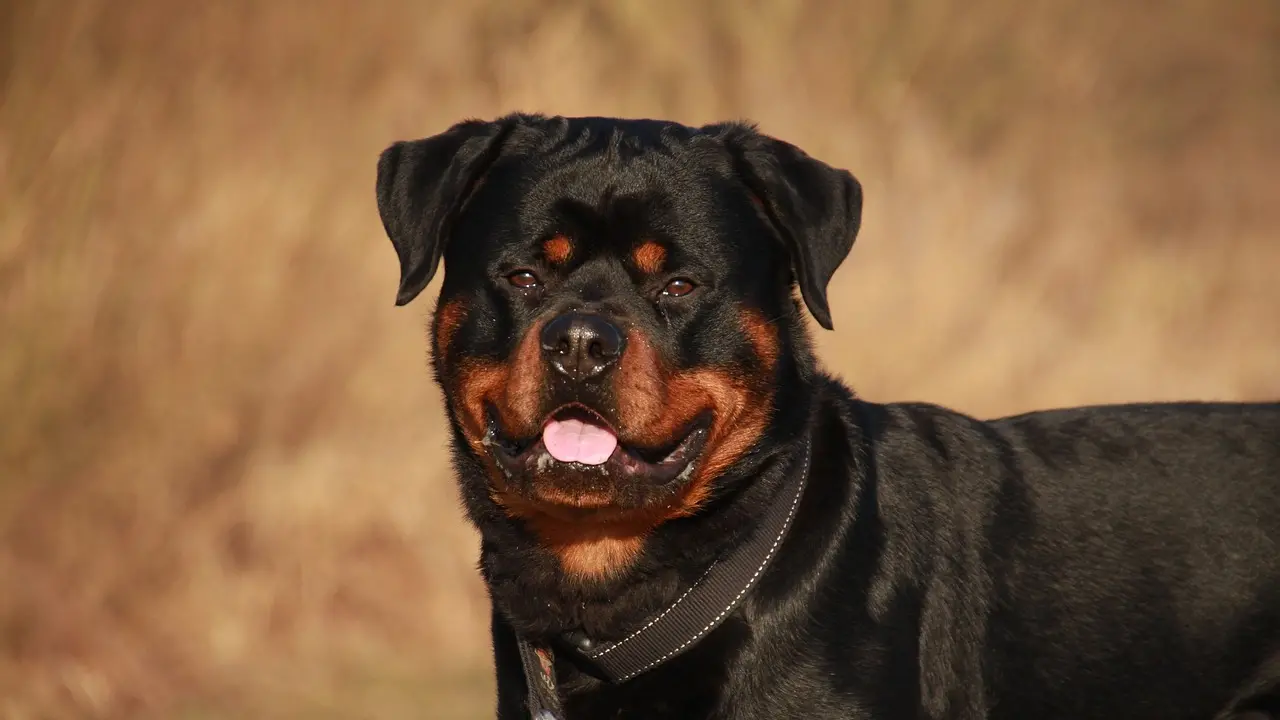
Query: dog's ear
[[423, 185], [815, 208]]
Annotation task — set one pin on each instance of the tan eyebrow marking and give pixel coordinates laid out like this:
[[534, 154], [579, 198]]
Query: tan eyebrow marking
[[649, 256], [557, 249]]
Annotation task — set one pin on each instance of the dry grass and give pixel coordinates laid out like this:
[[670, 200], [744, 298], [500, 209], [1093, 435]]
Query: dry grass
[[222, 481]]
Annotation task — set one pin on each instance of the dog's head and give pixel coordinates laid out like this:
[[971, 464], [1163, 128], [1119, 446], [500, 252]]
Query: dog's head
[[616, 327]]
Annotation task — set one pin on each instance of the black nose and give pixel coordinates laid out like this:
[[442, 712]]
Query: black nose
[[581, 346]]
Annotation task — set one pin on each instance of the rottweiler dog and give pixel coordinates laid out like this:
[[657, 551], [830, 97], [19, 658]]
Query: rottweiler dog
[[682, 516]]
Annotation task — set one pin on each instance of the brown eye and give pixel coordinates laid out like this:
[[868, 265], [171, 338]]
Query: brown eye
[[678, 288], [523, 279]]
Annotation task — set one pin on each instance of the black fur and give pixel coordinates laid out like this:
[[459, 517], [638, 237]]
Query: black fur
[[1103, 562]]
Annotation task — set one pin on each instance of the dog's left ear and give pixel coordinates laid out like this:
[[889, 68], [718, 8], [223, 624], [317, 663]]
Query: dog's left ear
[[815, 208], [423, 185]]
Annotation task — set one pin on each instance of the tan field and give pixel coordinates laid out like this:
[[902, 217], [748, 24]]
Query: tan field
[[223, 489]]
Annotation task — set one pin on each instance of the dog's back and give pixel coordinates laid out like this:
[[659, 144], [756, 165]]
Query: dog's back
[[1123, 548]]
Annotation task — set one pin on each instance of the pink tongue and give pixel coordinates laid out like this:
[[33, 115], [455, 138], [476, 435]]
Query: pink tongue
[[576, 441]]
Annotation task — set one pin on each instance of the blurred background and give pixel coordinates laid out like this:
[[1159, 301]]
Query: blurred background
[[223, 490]]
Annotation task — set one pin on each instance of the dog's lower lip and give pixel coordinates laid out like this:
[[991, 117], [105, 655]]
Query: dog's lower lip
[[685, 453], [677, 453]]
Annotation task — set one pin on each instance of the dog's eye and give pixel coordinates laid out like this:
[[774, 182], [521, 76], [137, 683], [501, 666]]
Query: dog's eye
[[678, 288], [523, 279]]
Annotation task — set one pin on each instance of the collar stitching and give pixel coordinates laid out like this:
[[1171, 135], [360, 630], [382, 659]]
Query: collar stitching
[[648, 625], [795, 503]]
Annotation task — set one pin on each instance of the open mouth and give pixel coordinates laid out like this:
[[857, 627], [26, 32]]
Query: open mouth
[[577, 439]]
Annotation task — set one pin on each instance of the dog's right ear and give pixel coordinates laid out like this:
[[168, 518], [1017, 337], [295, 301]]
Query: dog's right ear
[[423, 185]]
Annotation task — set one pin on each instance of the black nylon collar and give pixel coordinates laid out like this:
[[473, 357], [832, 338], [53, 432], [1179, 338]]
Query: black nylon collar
[[698, 611]]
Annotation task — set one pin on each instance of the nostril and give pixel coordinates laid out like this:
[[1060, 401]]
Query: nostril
[[563, 348], [609, 344], [612, 347]]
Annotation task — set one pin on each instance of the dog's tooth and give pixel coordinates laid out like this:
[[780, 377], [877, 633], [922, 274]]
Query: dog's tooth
[[544, 461], [686, 473]]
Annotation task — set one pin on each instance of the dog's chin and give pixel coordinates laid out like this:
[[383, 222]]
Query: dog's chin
[[630, 478]]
